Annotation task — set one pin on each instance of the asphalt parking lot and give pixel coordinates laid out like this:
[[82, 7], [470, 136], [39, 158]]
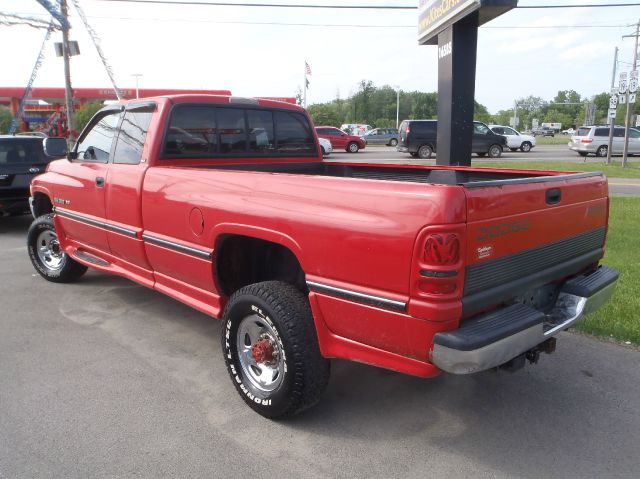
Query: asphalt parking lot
[[104, 378]]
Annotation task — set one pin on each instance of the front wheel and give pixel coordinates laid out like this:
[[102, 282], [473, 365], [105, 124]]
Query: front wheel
[[353, 147], [495, 151], [393, 142], [526, 147], [46, 254], [271, 349]]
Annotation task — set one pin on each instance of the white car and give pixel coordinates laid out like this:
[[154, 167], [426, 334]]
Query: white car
[[515, 140], [325, 145]]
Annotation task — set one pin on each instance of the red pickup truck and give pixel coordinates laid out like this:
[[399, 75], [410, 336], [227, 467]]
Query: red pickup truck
[[225, 204]]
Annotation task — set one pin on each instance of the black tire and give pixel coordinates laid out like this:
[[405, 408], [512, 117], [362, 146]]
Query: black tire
[[425, 151], [393, 142], [42, 243], [353, 147], [602, 151], [494, 151], [279, 317], [583, 153], [526, 147]]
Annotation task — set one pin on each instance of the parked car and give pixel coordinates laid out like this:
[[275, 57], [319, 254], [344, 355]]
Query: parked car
[[569, 131], [595, 139], [515, 140], [418, 269], [341, 140], [418, 138], [357, 129], [21, 158], [325, 146], [381, 136], [543, 131]]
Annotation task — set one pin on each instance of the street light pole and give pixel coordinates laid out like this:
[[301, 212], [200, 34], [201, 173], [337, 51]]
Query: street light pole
[[628, 114], [397, 106], [612, 120], [137, 75]]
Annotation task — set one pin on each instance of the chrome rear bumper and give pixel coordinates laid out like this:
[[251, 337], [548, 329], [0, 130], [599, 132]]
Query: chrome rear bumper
[[493, 339]]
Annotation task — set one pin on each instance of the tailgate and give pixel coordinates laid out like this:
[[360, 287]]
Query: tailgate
[[522, 234]]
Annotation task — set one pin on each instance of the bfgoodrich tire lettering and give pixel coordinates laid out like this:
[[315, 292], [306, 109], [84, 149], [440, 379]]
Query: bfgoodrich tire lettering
[[271, 349], [46, 255]]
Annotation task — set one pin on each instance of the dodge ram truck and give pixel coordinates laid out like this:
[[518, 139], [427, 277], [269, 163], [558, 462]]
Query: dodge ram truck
[[225, 204]]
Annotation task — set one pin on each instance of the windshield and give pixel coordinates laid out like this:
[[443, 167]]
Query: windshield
[[18, 151]]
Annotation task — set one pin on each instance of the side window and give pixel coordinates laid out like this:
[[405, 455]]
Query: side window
[[634, 133], [293, 134], [604, 132], [233, 136], [96, 144], [192, 131], [131, 137], [617, 132], [498, 130], [260, 130], [480, 129]]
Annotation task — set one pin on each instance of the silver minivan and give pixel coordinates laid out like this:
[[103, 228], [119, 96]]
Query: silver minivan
[[595, 139]]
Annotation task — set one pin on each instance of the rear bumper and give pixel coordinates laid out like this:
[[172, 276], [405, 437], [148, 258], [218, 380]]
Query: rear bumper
[[494, 338]]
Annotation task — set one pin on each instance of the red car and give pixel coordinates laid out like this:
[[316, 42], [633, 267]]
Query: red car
[[341, 140]]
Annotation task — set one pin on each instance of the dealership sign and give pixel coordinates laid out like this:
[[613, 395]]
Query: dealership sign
[[434, 16]]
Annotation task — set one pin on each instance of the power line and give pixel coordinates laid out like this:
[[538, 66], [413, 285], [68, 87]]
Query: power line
[[345, 7]]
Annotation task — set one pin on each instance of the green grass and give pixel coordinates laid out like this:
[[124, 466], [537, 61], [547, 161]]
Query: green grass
[[559, 139], [620, 317], [615, 170]]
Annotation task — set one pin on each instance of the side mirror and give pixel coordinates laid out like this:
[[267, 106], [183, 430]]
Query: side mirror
[[55, 147]]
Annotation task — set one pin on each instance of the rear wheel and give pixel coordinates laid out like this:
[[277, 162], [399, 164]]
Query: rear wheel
[[425, 151], [353, 147], [393, 142], [494, 151], [46, 254], [602, 151], [271, 349], [526, 147]]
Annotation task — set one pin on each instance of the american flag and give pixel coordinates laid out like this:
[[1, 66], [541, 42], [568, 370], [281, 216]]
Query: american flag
[[307, 68]]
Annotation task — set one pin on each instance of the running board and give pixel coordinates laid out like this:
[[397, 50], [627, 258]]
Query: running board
[[89, 258]]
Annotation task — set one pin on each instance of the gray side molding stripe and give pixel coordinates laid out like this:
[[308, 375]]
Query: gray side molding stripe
[[198, 253], [359, 297]]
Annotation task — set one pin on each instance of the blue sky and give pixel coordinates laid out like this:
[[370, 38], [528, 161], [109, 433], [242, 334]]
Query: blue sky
[[261, 51]]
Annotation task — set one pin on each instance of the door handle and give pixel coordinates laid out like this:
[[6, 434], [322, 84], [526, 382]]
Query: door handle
[[99, 181]]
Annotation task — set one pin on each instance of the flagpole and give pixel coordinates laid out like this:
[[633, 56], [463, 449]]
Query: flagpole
[[304, 101]]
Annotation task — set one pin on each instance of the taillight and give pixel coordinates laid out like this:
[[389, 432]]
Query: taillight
[[586, 140], [439, 264], [407, 130], [442, 249]]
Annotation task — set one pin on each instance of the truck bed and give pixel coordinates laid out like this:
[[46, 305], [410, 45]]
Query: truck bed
[[464, 176]]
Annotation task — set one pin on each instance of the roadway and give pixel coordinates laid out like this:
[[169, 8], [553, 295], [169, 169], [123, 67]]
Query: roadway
[[104, 378], [385, 154]]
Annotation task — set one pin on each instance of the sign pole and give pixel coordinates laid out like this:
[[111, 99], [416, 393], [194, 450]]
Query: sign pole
[[457, 47], [611, 120], [627, 116], [453, 26]]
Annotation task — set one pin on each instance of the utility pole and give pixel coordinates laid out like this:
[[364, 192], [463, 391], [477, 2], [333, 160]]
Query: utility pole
[[397, 106], [612, 120], [67, 72], [628, 114]]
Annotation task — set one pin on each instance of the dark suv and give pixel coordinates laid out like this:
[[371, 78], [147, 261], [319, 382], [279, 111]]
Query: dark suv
[[22, 158], [418, 138]]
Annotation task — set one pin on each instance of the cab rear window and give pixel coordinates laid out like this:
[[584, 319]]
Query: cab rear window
[[207, 131]]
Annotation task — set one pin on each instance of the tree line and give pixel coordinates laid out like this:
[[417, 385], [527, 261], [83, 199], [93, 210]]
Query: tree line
[[376, 106]]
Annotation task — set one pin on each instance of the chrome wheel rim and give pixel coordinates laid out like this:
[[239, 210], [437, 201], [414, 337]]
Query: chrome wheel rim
[[260, 352], [49, 251]]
